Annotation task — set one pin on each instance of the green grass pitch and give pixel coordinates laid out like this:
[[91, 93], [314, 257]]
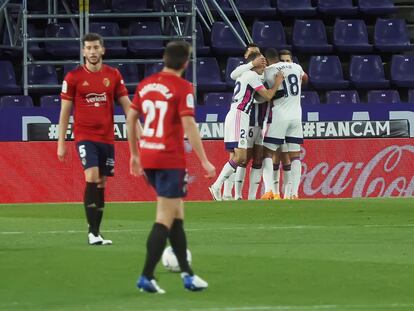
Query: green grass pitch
[[283, 255]]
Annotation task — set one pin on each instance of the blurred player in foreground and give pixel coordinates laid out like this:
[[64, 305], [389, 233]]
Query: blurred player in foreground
[[166, 102]]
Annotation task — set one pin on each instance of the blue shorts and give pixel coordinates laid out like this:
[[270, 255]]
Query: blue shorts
[[168, 183], [94, 154]]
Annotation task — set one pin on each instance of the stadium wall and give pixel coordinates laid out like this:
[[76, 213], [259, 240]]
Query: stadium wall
[[331, 169]]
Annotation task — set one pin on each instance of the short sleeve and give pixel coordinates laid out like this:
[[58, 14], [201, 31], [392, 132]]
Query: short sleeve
[[68, 91], [121, 89], [255, 81], [136, 101], [186, 100]]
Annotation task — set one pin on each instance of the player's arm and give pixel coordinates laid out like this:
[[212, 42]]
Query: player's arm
[[268, 94], [135, 163], [193, 136], [239, 70], [66, 108], [125, 102]]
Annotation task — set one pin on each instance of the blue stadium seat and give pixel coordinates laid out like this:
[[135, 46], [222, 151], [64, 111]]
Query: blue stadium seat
[[255, 8], [269, 34], [325, 72], [50, 101], [42, 74], [309, 36], [208, 75], [95, 6], [391, 35], [337, 7], [61, 48], [142, 46], [223, 41], [367, 71], [377, 7], [205, 113], [16, 101], [34, 48], [150, 69], [351, 36], [37, 6], [411, 96], [342, 97], [224, 5], [129, 6], [202, 48], [309, 98], [218, 99], [8, 83], [384, 97], [107, 29], [232, 63], [296, 8], [129, 73], [68, 67], [402, 70]]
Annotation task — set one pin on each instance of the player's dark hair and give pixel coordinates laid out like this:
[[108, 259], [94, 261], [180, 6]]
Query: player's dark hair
[[285, 52], [92, 37], [250, 45], [272, 55], [252, 56], [176, 54]]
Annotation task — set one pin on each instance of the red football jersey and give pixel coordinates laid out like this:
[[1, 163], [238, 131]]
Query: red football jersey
[[163, 99], [93, 96]]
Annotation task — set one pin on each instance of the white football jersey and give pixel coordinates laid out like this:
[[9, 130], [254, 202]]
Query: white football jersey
[[287, 107], [246, 86]]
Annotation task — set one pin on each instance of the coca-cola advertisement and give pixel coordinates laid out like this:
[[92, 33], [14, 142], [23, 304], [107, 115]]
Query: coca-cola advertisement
[[357, 168], [331, 168]]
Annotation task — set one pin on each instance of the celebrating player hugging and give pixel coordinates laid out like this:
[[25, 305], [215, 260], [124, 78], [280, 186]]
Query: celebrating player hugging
[[236, 133]]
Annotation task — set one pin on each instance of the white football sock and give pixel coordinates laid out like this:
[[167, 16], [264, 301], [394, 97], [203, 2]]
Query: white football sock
[[276, 180], [254, 181], [239, 182], [268, 174], [228, 186], [225, 173], [295, 175]]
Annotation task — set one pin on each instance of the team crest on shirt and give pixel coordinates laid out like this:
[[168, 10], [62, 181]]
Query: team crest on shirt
[[106, 82]]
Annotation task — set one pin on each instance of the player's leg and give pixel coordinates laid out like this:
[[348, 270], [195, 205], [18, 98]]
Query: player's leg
[[256, 169], [106, 169], [168, 204], [240, 175], [236, 128], [229, 183], [178, 242], [276, 174], [274, 137], [267, 165], [287, 183], [88, 154], [294, 139]]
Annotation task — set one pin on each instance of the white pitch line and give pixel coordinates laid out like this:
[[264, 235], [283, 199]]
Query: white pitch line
[[261, 227], [299, 308]]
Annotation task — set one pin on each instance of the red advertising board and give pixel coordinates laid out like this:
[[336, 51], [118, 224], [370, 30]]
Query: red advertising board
[[30, 171]]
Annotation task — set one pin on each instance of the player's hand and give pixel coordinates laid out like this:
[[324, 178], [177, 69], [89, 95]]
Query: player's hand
[[61, 151], [135, 167], [259, 61], [209, 168], [279, 77]]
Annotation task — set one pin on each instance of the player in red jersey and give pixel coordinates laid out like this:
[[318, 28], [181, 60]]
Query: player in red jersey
[[91, 89], [166, 102]]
